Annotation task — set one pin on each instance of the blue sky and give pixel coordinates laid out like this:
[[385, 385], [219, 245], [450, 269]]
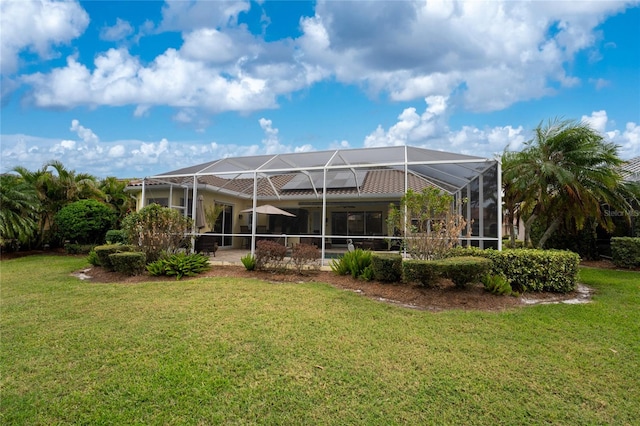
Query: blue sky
[[132, 89]]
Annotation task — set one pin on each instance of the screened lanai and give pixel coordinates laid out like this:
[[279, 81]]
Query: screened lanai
[[334, 196]]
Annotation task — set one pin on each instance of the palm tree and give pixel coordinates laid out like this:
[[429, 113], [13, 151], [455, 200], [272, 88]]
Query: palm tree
[[566, 173], [55, 190], [113, 193], [19, 206]]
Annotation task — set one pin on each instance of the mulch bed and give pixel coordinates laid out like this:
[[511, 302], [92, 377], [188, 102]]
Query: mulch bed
[[443, 297]]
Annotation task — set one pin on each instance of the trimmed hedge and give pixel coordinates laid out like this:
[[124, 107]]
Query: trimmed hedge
[[103, 252], [422, 272], [626, 252], [529, 269], [128, 262], [460, 270], [463, 270], [387, 267]]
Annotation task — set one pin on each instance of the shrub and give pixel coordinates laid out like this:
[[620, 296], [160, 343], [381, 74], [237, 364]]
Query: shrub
[[626, 252], [73, 248], [387, 267], [92, 258], [530, 269], [270, 255], [84, 221], [249, 262], [156, 229], [507, 244], [353, 262], [429, 221], [421, 272], [128, 262], [305, 255], [463, 270], [339, 266], [115, 236], [497, 284], [179, 265], [103, 252]]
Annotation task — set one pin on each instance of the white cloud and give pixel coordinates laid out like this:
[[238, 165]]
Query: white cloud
[[413, 128], [431, 130], [497, 53], [120, 79], [597, 120], [628, 140], [117, 151], [119, 31], [136, 158], [181, 15], [271, 141], [85, 134], [211, 45], [37, 26]]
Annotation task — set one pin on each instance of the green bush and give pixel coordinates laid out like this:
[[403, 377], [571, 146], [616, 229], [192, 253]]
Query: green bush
[[156, 229], [92, 258], [116, 236], [625, 252], [179, 265], [249, 262], [84, 221], [387, 267], [530, 269], [367, 273], [128, 262], [72, 248], [353, 262], [506, 244], [103, 253], [339, 266], [305, 256], [270, 255], [463, 270], [422, 272], [497, 284]]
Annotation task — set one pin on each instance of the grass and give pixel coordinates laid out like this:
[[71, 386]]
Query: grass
[[222, 351]]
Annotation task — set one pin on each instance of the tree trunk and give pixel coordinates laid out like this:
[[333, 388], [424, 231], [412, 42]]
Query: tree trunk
[[527, 230], [550, 230]]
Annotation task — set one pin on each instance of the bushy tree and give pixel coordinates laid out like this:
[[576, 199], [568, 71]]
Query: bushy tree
[[112, 193], [155, 229], [428, 221], [19, 206], [56, 186], [84, 221], [565, 173]]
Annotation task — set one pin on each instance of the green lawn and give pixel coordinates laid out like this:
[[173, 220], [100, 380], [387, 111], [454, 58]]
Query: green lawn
[[221, 351]]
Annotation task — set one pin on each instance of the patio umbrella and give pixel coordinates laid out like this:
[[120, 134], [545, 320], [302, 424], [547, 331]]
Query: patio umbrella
[[200, 212], [269, 209]]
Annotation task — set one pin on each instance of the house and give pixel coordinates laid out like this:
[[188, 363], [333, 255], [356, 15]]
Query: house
[[333, 195]]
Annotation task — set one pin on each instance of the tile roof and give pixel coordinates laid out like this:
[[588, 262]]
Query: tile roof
[[378, 182]]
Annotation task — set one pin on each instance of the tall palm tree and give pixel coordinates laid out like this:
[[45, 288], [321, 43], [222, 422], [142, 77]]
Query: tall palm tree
[[19, 206], [566, 173]]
